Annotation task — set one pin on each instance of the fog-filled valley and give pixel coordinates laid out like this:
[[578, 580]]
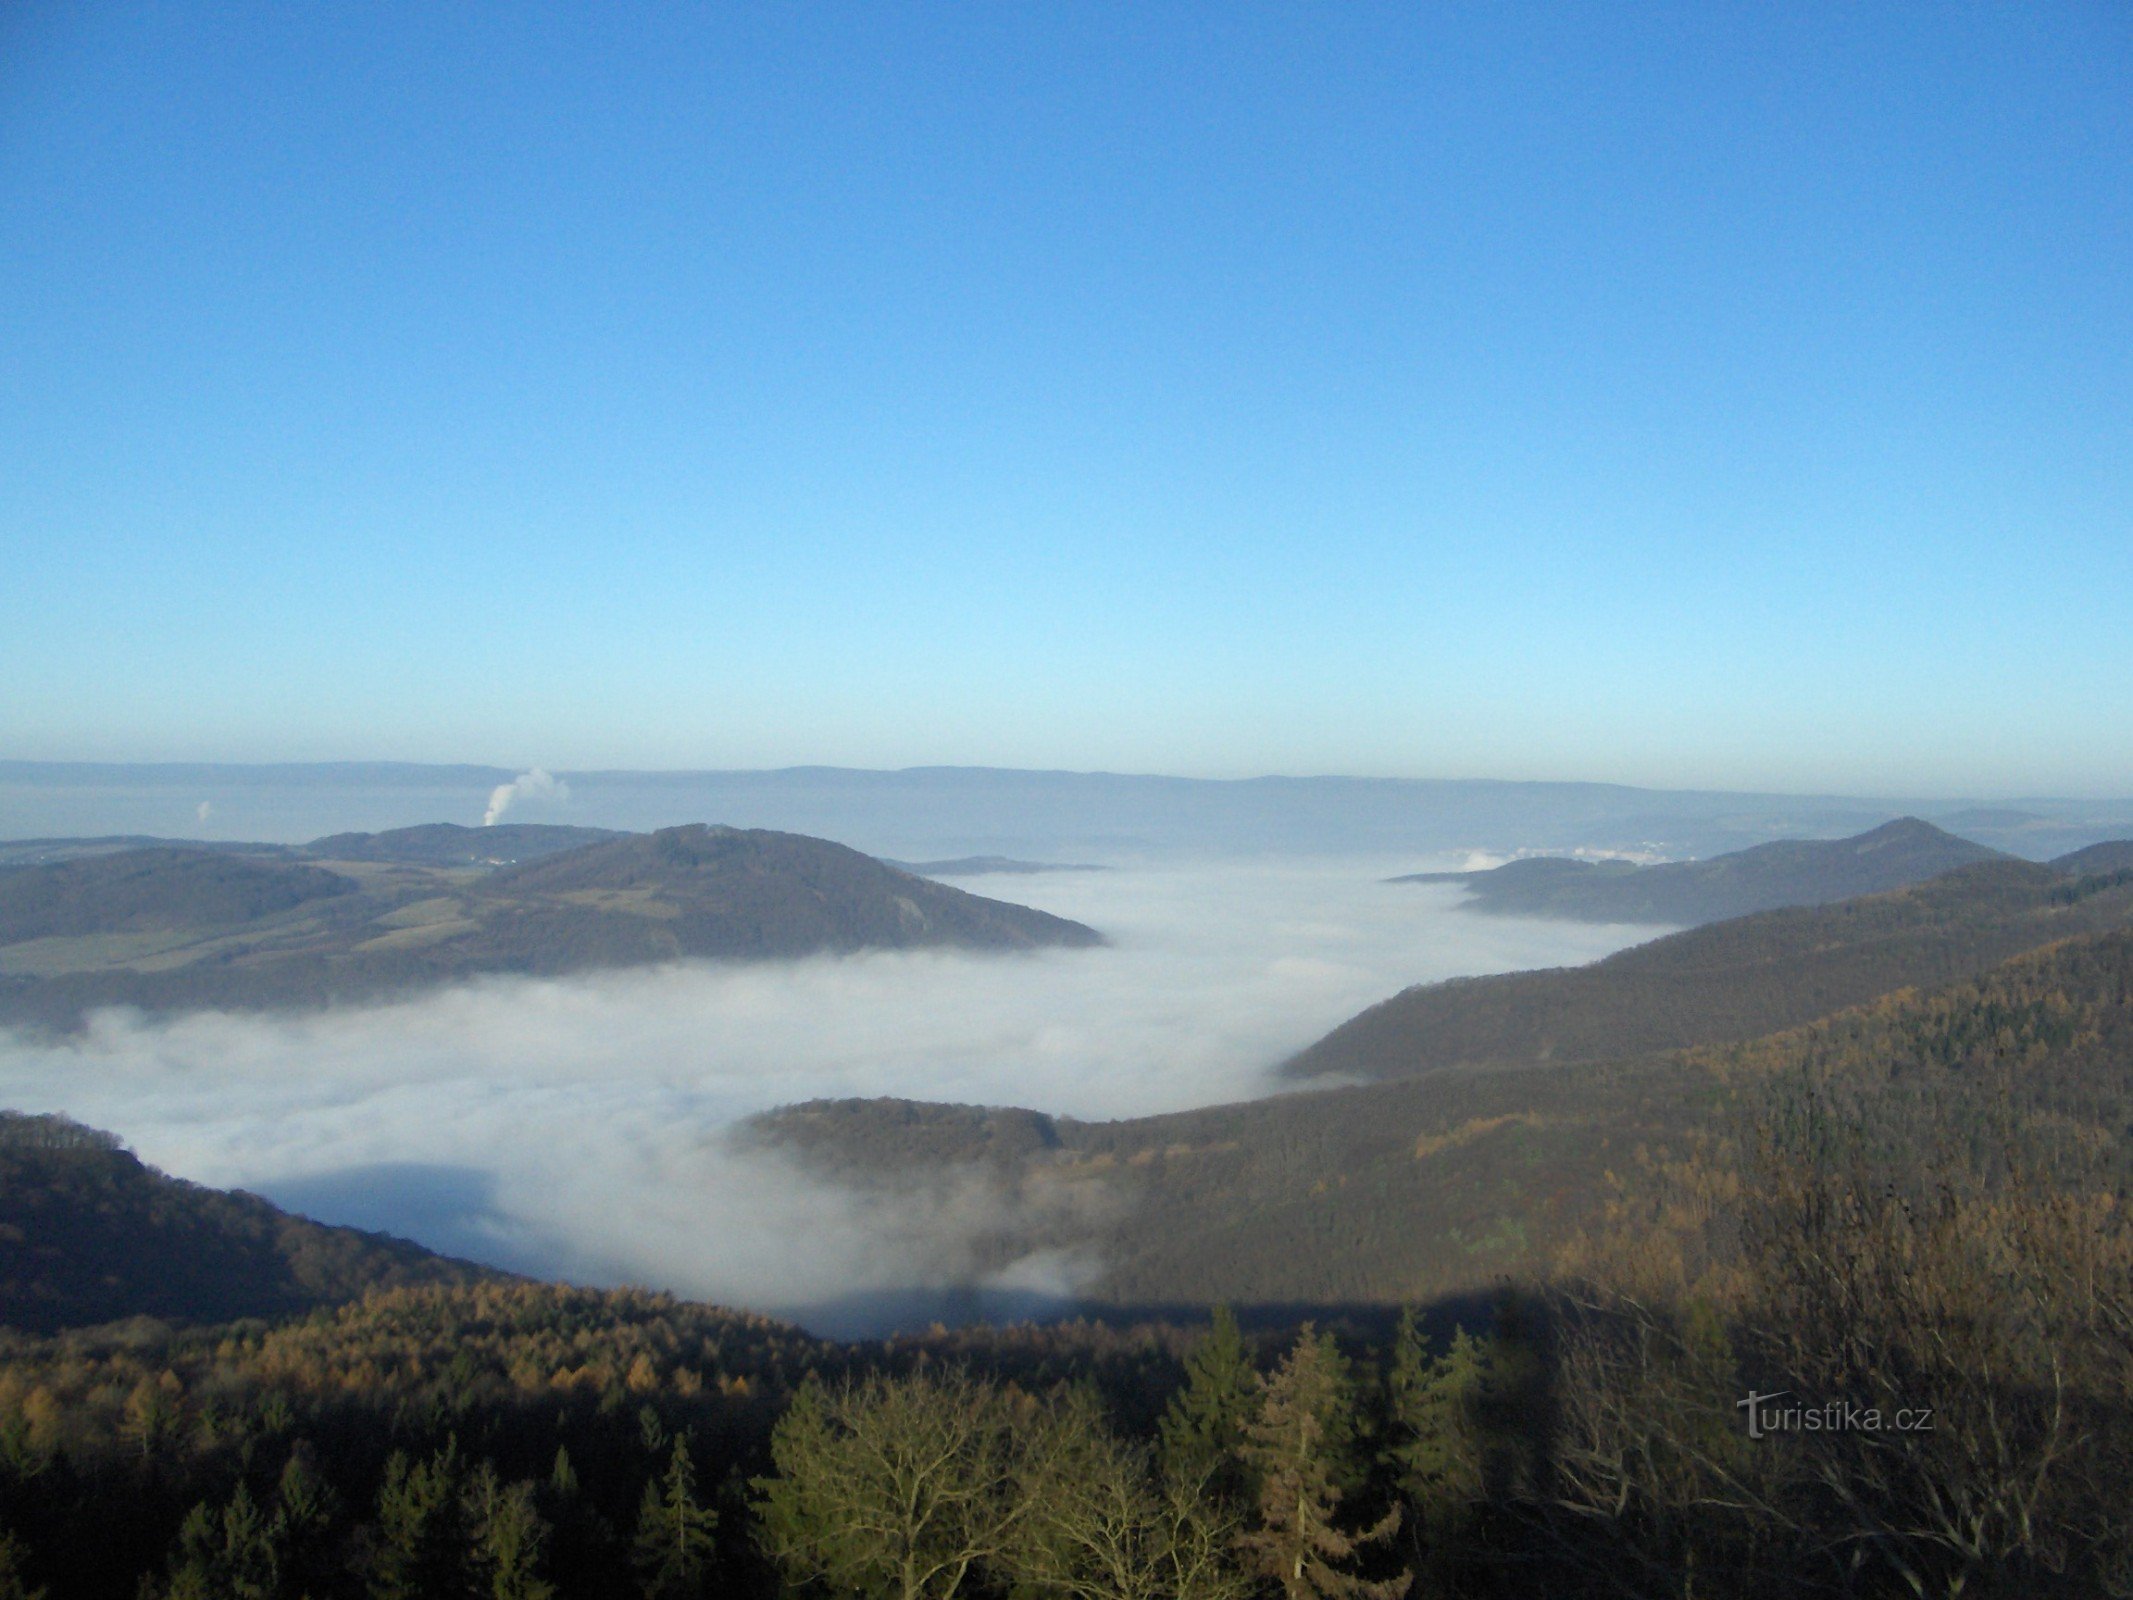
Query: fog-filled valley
[[576, 1127], [1186, 802]]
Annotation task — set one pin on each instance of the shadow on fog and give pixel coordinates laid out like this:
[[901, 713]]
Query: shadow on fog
[[449, 1209]]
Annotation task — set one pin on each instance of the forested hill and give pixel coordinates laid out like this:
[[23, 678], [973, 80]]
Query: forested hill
[[1441, 1186], [152, 891], [1789, 872], [88, 1234], [451, 844], [171, 929], [1725, 980], [754, 892]]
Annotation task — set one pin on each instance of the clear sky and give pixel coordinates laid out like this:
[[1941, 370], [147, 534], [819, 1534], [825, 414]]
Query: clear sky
[[1704, 394]]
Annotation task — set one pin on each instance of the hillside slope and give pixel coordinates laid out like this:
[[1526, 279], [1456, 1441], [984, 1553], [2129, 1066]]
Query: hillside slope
[[152, 890], [88, 1234], [1442, 1186], [1790, 872], [1725, 980]]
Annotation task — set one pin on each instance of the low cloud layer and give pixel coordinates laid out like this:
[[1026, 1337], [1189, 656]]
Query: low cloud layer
[[575, 1127]]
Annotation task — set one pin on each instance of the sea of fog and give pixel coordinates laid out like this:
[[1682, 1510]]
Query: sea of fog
[[574, 1128]]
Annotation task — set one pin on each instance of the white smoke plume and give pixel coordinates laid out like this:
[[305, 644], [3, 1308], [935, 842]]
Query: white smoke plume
[[577, 1127], [534, 785]]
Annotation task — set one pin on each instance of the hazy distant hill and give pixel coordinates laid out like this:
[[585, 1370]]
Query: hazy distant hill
[[1442, 1185], [1790, 872], [1725, 980], [927, 813], [88, 1234], [173, 929], [2113, 855], [448, 844]]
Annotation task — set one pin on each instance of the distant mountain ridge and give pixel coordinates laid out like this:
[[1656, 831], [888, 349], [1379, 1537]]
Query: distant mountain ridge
[[927, 813], [172, 929], [1764, 877]]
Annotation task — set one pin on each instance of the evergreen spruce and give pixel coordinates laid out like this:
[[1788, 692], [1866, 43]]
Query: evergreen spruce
[[674, 1533], [14, 1578], [1435, 1450], [1291, 1444], [1203, 1432], [419, 1543], [507, 1538]]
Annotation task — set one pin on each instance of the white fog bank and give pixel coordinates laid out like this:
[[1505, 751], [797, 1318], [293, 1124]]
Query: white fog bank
[[573, 1127]]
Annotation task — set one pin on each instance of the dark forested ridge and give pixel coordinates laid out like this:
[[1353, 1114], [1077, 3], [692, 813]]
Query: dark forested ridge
[[1788, 872], [88, 1234], [1726, 980], [173, 929]]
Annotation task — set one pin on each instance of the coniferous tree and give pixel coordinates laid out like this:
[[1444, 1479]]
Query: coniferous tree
[[1291, 1443], [233, 1555], [1203, 1431], [1435, 1448], [14, 1575], [305, 1509], [563, 1477], [419, 1543], [674, 1532], [507, 1538]]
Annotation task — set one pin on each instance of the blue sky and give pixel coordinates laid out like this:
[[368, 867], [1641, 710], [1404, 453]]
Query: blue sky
[[1722, 395]]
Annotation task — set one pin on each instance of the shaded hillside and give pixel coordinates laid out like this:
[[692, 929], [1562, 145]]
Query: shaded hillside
[[90, 1235], [1724, 980], [153, 890], [1442, 1186], [2113, 855], [449, 844], [162, 932], [1416, 1190], [1790, 872]]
